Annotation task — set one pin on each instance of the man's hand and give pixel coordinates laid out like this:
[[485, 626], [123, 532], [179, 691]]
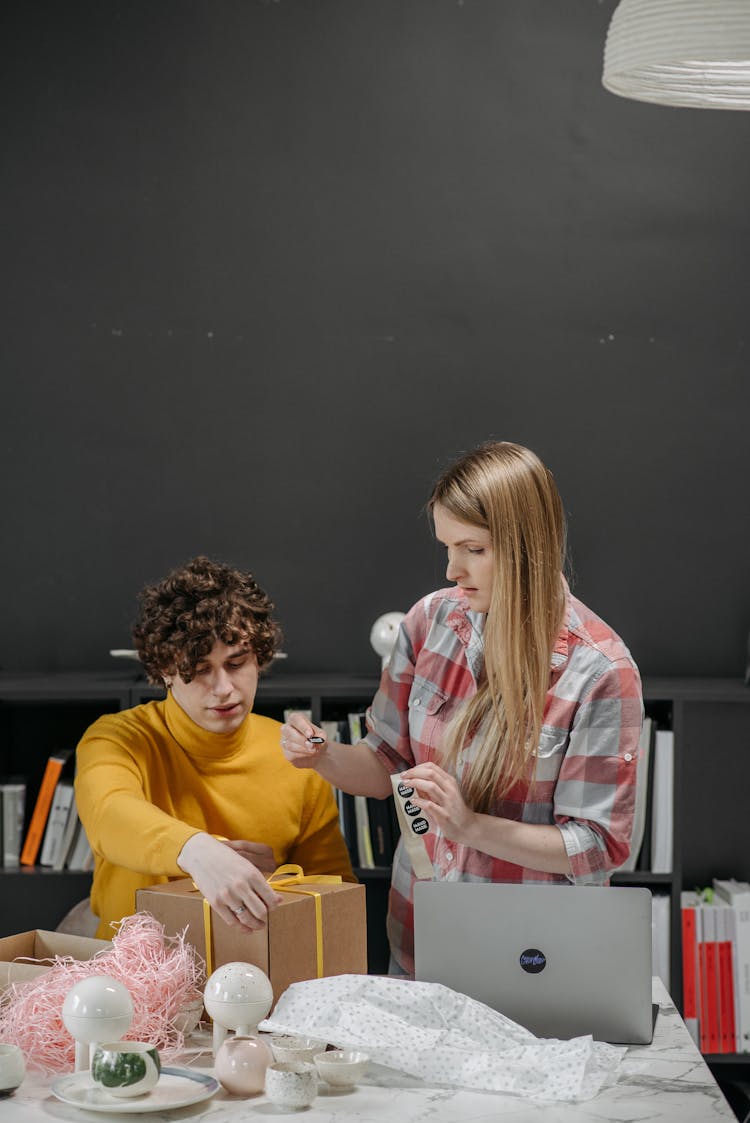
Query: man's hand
[[230, 881]]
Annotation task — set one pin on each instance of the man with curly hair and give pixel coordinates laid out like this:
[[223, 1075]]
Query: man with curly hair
[[174, 788]]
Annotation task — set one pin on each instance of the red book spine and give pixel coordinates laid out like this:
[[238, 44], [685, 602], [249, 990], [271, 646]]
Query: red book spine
[[703, 991], [689, 964], [712, 996], [727, 1028]]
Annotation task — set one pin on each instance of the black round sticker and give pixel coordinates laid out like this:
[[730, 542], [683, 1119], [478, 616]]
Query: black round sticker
[[419, 826], [405, 790], [533, 960], [411, 808]]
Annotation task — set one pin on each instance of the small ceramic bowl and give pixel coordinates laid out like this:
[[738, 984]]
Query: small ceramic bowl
[[291, 1085], [286, 1047], [342, 1067], [187, 1019], [12, 1068], [126, 1068]]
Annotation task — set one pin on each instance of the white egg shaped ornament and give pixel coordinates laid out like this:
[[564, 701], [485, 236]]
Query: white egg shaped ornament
[[95, 1009], [237, 996]]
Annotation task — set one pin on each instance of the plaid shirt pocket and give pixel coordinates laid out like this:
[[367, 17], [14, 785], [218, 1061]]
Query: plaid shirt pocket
[[427, 715]]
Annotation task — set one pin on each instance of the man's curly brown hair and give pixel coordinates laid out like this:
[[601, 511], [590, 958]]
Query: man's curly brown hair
[[182, 617]]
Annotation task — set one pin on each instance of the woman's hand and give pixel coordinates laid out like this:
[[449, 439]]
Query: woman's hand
[[230, 881], [441, 801], [302, 743]]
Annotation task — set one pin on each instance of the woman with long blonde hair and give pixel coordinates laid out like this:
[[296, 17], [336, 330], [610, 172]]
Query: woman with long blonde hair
[[511, 709]]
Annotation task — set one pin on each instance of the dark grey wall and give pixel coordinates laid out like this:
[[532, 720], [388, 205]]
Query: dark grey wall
[[269, 266]]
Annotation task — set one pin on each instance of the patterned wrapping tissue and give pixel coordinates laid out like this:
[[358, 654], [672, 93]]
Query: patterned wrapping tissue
[[431, 1032]]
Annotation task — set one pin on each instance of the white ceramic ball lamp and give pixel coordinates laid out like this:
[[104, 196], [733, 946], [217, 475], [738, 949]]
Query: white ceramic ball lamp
[[96, 1009], [237, 996], [383, 634]]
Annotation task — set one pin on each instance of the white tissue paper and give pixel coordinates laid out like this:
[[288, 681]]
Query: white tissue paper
[[429, 1031]]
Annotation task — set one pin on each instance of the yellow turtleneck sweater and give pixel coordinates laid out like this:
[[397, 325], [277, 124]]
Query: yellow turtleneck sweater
[[149, 778]]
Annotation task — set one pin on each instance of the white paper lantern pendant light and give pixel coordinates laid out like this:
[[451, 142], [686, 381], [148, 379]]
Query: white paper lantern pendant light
[[680, 52]]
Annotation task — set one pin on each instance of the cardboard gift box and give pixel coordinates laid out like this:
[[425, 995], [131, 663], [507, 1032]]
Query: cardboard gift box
[[41, 945], [290, 948]]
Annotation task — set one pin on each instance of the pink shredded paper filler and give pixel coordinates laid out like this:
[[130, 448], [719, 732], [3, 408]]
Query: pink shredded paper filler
[[161, 972]]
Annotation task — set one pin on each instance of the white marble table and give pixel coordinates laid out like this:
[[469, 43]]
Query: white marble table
[[665, 1082]]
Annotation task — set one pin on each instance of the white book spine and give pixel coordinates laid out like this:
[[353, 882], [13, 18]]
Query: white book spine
[[662, 803], [364, 843], [730, 933], [742, 1013], [660, 937], [55, 829], [68, 836], [14, 805]]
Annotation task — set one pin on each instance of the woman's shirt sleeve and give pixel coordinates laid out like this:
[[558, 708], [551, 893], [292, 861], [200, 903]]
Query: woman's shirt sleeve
[[594, 798], [388, 716]]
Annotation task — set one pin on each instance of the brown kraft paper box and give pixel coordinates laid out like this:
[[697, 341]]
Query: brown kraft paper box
[[287, 949], [42, 945]]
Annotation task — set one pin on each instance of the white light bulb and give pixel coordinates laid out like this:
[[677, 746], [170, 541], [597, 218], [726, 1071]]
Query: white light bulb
[[383, 634]]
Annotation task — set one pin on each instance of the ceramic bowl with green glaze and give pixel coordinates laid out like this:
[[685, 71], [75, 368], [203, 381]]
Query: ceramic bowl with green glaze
[[126, 1068]]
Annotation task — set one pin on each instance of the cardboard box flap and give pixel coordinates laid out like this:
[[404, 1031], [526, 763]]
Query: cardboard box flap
[[17, 952]]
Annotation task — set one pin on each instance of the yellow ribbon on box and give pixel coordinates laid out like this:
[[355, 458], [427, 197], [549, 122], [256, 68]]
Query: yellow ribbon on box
[[291, 878], [286, 879]]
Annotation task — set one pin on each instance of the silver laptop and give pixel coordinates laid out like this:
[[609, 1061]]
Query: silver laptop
[[561, 960]]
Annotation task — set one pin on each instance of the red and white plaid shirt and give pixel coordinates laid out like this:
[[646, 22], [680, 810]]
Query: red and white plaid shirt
[[586, 760]]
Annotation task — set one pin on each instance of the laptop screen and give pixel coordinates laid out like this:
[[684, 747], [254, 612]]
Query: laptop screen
[[562, 960]]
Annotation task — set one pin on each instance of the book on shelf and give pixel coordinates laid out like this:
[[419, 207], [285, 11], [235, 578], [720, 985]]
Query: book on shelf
[[709, 981], [660, 903], [641, 795], [662, 815], [57, 822], [70, 832], [81, 856], [12, 811], [734, 896], [348, 821], [690, 904], [357, 727], [364, 841], [714, 992], [728, 1042], [337, 730], [33, 840]]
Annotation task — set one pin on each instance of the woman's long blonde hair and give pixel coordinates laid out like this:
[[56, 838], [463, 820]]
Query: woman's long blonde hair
[[505, 489]]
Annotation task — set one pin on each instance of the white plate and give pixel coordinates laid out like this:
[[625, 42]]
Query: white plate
[[177, 1087]]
